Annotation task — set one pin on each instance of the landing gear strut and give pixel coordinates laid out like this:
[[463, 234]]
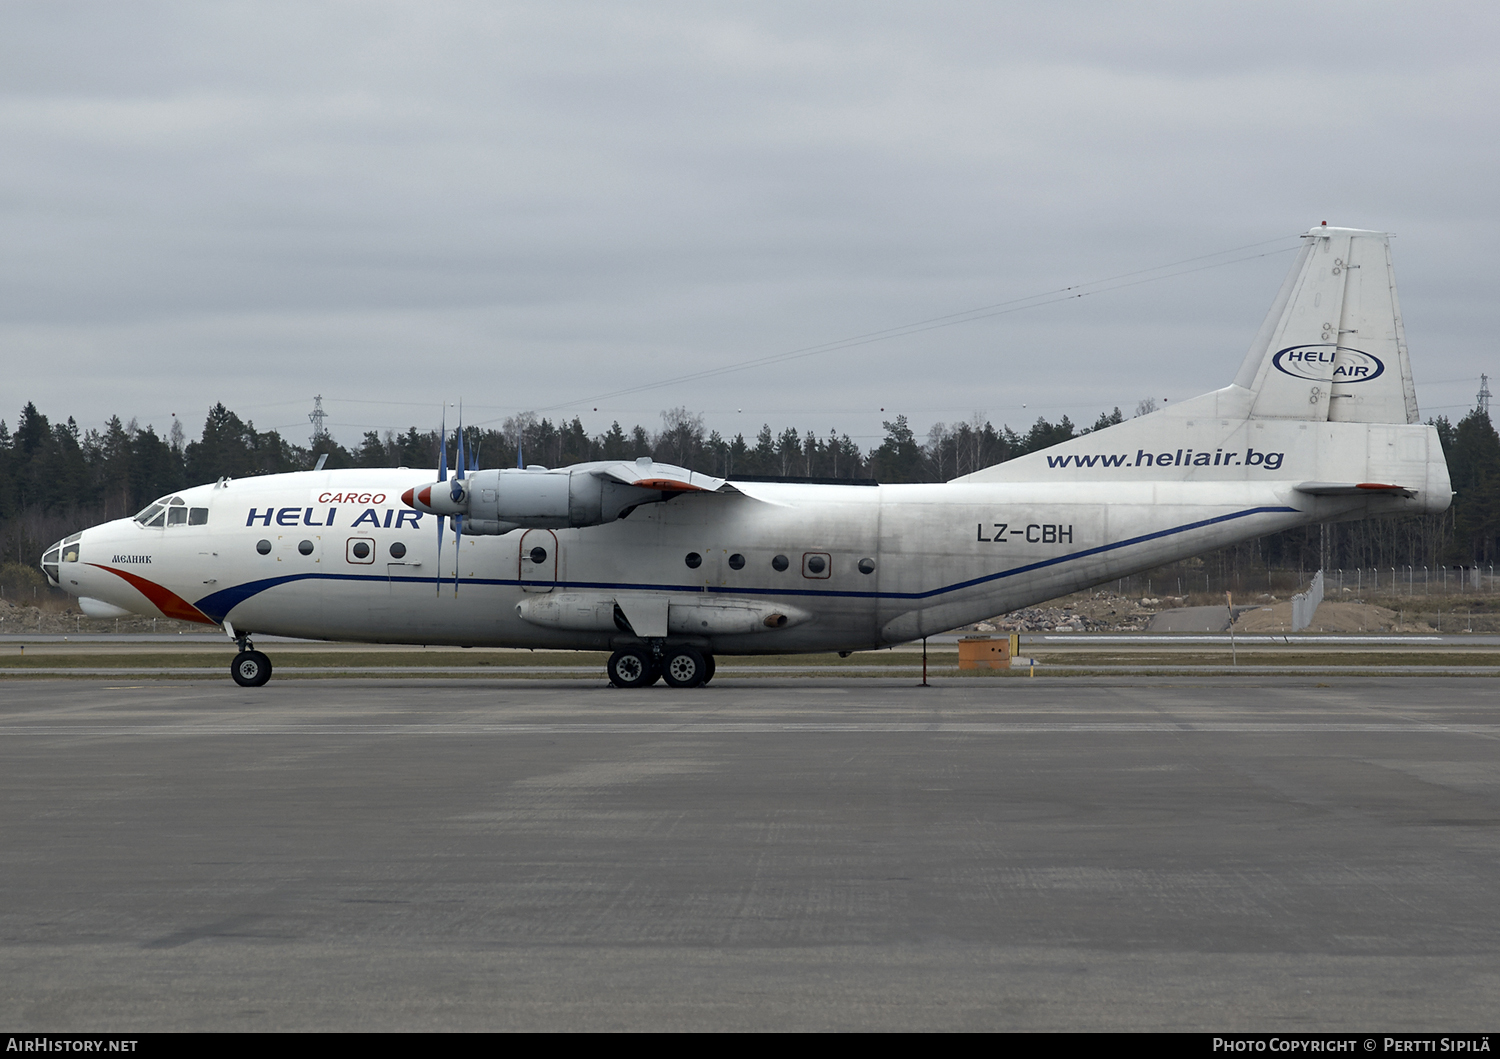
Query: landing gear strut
[[680, 665], [250, 668]]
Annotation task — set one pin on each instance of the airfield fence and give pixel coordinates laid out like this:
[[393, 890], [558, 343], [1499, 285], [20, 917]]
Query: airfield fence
[[1399, 582]]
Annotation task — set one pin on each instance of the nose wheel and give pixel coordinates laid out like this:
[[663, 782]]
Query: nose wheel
[[250, 669]]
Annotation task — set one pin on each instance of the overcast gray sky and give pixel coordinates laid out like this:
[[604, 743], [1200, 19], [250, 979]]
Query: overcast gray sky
[[529, 206]]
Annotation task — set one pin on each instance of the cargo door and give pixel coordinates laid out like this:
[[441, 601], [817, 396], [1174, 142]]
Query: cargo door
[[538, 560]]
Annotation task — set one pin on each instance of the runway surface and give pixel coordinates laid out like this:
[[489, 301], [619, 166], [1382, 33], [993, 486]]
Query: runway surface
[[1108, 853]]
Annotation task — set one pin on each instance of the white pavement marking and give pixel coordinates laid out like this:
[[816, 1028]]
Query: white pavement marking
[[746, 727]]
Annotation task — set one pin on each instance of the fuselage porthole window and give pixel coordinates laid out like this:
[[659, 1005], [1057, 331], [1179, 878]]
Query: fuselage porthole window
[[538, 555], [264, 547], [736, 561], [361, 549], [781, 562], [867, 566], [693, 560], [398, 550], [306, 547]]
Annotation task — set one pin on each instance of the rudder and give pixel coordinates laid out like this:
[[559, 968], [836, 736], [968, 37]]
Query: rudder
[[1333, 347]]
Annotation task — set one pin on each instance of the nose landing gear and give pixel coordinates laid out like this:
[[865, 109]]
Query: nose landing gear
[[250, 668]]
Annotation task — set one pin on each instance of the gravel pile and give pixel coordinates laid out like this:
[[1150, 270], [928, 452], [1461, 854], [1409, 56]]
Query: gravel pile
[[1100, 612]]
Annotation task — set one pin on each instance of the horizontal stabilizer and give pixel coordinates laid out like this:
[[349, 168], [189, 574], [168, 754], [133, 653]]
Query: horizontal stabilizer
[[1353, 489]]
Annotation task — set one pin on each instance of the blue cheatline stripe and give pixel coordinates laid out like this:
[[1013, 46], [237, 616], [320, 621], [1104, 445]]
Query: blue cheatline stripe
[[216, 605]]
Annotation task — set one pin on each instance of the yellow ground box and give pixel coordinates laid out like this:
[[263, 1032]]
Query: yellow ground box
[[984, 652]]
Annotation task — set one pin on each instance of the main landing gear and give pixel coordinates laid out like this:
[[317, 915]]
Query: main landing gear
[[680, 665], [250, 668]]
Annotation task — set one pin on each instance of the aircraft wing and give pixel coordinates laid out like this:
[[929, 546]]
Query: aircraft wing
[[646, 473]]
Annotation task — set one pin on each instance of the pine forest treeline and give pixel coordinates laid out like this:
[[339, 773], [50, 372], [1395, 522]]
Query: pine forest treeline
[[55, 479]]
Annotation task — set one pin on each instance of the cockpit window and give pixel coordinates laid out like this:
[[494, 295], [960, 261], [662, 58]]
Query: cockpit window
[[172, 511], [70, 553]]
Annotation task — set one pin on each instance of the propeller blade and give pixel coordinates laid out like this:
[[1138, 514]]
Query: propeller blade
[[437, 582], [458, 520], [458, 529], [458, 462]]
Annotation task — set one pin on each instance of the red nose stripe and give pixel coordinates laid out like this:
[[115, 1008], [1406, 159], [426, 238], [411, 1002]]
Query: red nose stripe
[[163, 599]]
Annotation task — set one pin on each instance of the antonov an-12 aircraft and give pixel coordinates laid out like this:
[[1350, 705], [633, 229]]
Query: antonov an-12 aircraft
[[667, 568]]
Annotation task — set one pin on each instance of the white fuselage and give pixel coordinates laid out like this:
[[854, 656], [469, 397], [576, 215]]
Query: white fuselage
[[281, 555]]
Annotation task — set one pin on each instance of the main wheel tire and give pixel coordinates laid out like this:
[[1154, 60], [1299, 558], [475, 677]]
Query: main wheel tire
[[250, 669], [684, 667], [631, 668], [709, 667]]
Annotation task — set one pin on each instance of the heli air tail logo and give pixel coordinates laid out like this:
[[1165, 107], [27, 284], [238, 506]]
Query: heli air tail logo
[[1328, 363]]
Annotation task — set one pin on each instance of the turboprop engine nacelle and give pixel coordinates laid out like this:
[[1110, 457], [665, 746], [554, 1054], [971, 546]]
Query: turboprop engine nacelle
[[589, 494]]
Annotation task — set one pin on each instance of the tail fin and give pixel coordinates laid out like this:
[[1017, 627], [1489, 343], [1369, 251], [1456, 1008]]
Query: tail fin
[[1323, 405], [1332, 349]]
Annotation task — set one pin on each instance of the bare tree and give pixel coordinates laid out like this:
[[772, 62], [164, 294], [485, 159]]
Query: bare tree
[[682, 434], [517, 428]]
